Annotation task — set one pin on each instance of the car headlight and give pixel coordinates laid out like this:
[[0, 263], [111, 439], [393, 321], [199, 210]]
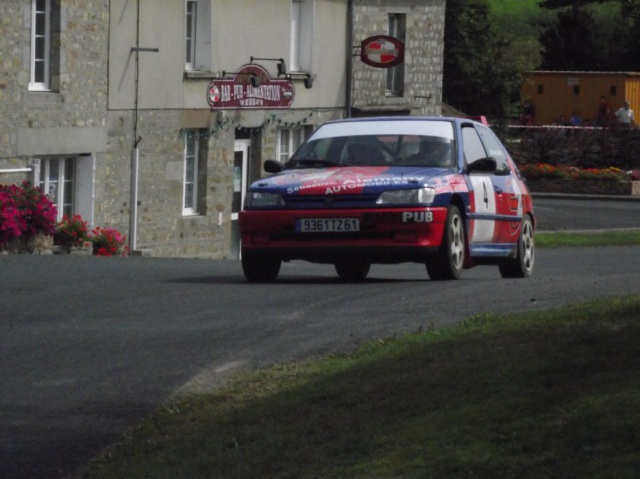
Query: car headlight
[[419, 196], [259, 199]]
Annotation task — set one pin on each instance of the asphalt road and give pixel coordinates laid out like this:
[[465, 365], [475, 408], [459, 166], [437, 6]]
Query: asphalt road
[[89, 346], [563, 212]]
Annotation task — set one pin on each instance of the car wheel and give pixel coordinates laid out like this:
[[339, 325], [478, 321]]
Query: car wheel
[[352, 271], [260, 268], [448, 262], [522, 265]]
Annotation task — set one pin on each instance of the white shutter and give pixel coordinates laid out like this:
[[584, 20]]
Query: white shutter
[[296, 15]]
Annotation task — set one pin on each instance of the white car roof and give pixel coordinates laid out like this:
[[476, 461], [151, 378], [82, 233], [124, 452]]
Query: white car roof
[[441, 128]]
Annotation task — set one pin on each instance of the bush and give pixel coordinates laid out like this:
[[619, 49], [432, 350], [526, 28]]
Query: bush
[[543, 170], [24, 213], [582, 148]]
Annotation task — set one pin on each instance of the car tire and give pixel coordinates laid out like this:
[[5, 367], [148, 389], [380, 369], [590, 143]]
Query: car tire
[[448, 262], [352, 271], [260, 269], [522, 265]]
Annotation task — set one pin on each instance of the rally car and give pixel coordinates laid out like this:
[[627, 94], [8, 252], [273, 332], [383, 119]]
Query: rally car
[[439, 191]]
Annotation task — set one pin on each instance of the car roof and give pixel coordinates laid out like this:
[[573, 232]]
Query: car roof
[[454, 119]]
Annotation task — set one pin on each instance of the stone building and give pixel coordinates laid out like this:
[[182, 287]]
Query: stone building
[[152, 116]]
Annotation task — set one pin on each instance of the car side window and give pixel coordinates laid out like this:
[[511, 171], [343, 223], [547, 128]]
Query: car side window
[[472, 145], [494, 149]]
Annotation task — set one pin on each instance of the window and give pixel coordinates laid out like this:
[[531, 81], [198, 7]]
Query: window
[[192, 16], [289, 140], [40, 45], [473, 148], [57, 181], [395, 75], [189, 206], [492, 145], [301, 35], [198, 35], [195, 158]]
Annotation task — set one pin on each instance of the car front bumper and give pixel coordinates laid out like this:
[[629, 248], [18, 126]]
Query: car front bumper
[[385, 235]]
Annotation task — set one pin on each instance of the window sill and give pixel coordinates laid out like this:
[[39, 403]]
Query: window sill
[[199, 75]]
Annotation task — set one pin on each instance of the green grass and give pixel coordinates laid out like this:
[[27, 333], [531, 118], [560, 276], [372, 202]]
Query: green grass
[[595, 238], [521, 8], [545, 395]]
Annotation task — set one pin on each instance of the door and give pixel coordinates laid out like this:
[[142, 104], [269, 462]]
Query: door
[[483, 227], [240, 167]]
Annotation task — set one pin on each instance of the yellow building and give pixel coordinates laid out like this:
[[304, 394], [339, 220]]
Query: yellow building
[[561, 93]]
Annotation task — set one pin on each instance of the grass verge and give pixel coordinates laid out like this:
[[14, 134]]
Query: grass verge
[[549, 394], [596, 238]]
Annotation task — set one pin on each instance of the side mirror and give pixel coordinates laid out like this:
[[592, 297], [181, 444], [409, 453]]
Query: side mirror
[[273, 166], [483, 165]]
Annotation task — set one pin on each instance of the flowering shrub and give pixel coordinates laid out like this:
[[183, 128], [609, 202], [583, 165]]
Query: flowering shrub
[[72, 231], [25, 212], [109, 242], [543, 170]]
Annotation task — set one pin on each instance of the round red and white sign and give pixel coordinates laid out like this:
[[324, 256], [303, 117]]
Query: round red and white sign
[[382, 51], [214, 94]]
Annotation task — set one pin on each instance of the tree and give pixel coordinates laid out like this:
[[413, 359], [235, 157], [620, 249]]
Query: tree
[[478, 79], [609, 44], [570, 44]]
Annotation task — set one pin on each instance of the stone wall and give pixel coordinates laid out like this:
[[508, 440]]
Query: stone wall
[[424, 45], [78, 99]]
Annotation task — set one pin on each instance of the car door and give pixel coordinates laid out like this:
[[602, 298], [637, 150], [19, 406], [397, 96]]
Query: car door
[[509, 201], [486, 192]]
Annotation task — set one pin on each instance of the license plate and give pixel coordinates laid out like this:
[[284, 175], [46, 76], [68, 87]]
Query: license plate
[[328, 225]]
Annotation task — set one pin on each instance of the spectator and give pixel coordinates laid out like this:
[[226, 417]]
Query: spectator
[[575, 119], [528, 112], [624, 114], [561, 121], [603, 112]]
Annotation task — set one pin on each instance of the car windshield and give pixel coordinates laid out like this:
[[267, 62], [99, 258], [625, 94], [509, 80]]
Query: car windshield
[[384, 143]]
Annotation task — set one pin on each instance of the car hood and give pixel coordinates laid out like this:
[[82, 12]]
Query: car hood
[[351, 180]]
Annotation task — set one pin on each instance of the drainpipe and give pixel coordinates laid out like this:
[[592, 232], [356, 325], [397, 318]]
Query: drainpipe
[[349, 76]]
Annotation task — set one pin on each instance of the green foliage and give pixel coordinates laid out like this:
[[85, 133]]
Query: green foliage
[[489, 44], [478, 79], [593, 35]]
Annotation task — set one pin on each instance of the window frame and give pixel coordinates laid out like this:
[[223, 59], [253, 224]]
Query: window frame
[[191, 31], [190, 177], [35, 82], [197, 35], [295, 138], [64, 183], [301, 35]]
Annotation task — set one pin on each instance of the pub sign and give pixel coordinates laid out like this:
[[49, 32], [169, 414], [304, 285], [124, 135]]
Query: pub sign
[[250, 87]]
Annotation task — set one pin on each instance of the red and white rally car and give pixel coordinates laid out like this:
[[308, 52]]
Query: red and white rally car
[[439, 191]]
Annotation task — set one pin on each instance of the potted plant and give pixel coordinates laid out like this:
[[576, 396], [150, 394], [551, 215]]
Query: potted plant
[[72, 235], [109, 242]]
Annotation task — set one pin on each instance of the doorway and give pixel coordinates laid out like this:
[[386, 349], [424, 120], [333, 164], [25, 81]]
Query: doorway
[[240, 167]]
